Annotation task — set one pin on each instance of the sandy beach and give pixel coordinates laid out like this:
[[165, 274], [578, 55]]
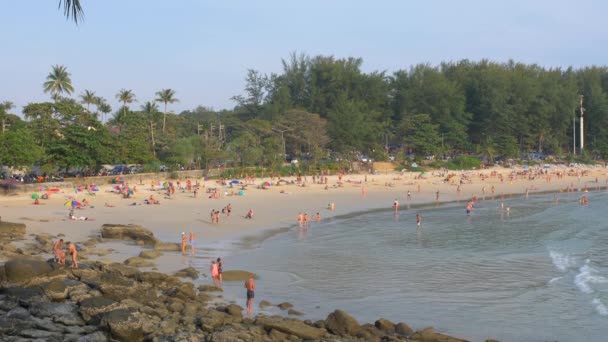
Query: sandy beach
[[275, 207]]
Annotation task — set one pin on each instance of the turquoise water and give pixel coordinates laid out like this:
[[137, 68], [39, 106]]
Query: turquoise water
[[537, 273]]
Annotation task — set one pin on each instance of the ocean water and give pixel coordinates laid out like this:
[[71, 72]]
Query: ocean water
[[536, 273]]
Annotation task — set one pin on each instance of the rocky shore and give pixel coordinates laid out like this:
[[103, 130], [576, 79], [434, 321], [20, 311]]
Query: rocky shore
[[43, 301]]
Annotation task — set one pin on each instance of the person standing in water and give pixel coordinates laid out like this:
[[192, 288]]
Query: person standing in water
[[184, 243], [396, 205], [191, 241], [215, 273], [250, 286], [220, 264], [418, 220]]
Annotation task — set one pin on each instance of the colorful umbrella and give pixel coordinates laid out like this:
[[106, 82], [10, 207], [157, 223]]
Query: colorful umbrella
[[35, 196], [72, 203]]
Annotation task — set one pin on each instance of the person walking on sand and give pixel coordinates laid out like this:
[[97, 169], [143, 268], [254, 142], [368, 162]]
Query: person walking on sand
[[418, 220], [409, 195], [74, 254], [215, 273], [220, 264], [250, 286], [184, 242], [191, 241], [437, 196]]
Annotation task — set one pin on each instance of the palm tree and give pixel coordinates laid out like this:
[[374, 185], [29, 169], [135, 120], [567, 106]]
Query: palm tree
[[149, 107], [88, 98], [72, 9], [166, 96], [125, 96], [103, 107], [4, 108], [58, 81]]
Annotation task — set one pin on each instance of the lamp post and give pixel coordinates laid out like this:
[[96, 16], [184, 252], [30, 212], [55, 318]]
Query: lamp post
[[582, 134], [282, 131]]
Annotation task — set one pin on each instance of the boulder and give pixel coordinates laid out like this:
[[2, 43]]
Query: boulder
[[290, 327], [429, 335], [11, 230], [150, 254], [122, 270], [61, 313], [97, 336], [370, 333], [138, 262], [294, 312], [209, 288], [128, 232], [234, 310], [167, 246], [189, 272], [385, 325], [285, 306], [56, 289], [123, 325], [25, 296], [265, 304], [20, 270], [403, 329], [93, 306], [236, 275], [342, 324]]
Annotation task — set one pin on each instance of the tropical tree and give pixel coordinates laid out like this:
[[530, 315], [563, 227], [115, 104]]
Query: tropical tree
[[166, 96], [103, 107], [4, 108], [88, 98], [149, 107], [58, 82], [72, 10], [125, 96]]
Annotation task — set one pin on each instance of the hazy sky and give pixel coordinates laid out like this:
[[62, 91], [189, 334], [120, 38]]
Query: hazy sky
[[202, 49]]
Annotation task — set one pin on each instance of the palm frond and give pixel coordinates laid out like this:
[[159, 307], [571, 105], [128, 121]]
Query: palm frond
[[72, 10]]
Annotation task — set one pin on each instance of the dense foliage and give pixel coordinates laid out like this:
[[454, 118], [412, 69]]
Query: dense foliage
[[322, 104]]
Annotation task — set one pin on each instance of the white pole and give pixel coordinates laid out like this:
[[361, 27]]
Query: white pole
[[582, 125]]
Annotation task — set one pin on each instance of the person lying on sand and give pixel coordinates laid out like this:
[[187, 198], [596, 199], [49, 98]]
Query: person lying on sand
[[109, 205], [81, 218]]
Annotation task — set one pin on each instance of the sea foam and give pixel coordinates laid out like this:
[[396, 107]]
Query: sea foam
[[587, 276], [561, 261], [600, 307]]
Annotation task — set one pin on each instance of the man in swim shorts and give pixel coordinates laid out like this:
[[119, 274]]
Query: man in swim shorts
[[250, 286]]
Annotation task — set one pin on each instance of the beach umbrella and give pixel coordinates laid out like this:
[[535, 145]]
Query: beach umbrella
[[72, 203], [35, 196]]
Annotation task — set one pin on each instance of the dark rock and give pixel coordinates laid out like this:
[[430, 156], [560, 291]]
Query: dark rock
[[56, 289], [122, 270], [403, 329], [319, 324], [19, 270], [294, 312], [154, 278], [97, 336], [285, 306], [189, 272], [265, 304], [25, 296], [138, 262], [234, 310], [128, 232], [385, 325], [342, 324], [275, 335], [209, 288], [429, 335], [290, 327], [369, 332], [40, 334], [123, 325], [94, 306], [150, 254], [18, 313], [61, 313], [10, 230]]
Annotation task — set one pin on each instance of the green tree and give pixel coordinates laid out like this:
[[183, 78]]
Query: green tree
[[166, 96], [421, 134], [18, 149], [125, 96], [58, 82], [88, 98]]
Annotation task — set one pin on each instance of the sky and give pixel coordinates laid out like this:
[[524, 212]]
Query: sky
[[202, 49]]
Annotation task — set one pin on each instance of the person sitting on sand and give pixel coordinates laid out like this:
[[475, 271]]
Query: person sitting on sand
[[249, 214]]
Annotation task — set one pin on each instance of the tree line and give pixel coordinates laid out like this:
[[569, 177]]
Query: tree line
[[319, 109]]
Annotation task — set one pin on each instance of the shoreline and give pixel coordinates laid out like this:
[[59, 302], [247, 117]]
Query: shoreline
[[242, 238]]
